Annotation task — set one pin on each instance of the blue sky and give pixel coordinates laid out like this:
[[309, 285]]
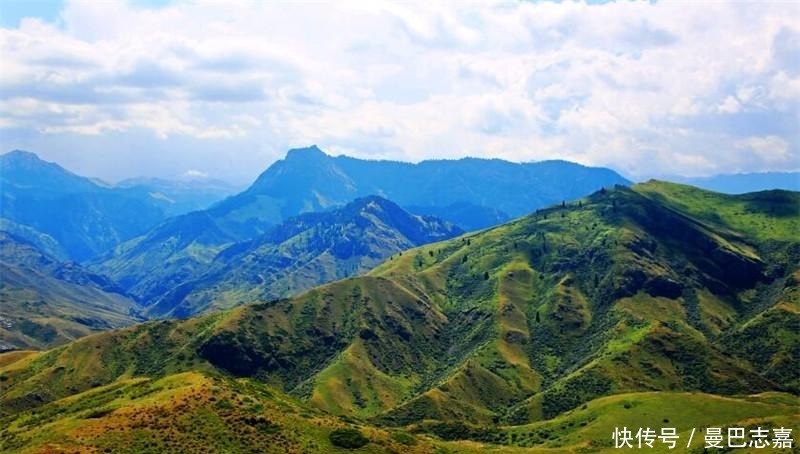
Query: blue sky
[[11, 11], [149, 87]]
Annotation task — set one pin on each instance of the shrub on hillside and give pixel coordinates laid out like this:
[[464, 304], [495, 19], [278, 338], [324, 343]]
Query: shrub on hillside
[[348, 438]]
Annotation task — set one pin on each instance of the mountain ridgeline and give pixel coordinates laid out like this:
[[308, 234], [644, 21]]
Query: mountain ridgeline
[[300, 253], [634, 305], [739, 183], [481, 191]]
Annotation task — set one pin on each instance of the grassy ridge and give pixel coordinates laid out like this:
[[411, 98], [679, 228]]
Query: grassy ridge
[[767, 215]]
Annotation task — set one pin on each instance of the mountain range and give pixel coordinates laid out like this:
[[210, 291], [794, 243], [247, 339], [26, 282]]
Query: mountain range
[[655, 304], [469, 193], [86, 217], [739, 183], [195, 274], [482, 190]]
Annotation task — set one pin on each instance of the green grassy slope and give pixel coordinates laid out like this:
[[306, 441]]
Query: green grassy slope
[[195, 411], [508, 331], [187, 412], [766, 216], [589, 428], [45, 302]]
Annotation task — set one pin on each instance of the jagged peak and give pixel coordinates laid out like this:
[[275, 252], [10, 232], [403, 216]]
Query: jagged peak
[[21, 155], [29, 161], [374, 203], [366, 200], [311, 152]]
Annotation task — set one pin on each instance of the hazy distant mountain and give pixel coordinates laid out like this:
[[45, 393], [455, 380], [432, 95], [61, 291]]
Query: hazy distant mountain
[[464, 214], [82, 216], [300, 253], [181, 196], [46, 302], [739, 183], [308, 180], [85, 216]]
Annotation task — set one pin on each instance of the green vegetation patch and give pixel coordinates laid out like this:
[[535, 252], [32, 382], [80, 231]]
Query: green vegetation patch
[[348, 438]]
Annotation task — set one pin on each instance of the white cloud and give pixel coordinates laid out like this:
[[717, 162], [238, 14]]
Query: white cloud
[[646, 88], [730, 105], [194, 173], [771, 149]]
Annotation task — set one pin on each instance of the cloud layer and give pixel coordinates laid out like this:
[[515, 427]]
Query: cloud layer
[[688, 88]]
